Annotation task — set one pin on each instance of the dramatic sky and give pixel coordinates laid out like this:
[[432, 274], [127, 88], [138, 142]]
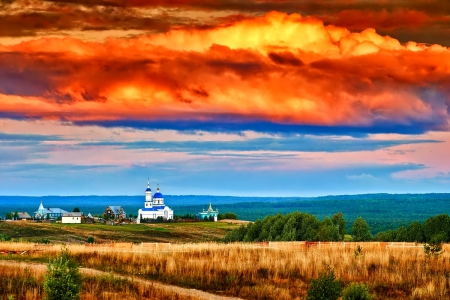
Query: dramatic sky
[[224, 97]]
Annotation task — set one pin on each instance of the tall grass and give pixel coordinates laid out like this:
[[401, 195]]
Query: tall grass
[[27, 283], [253, 272]]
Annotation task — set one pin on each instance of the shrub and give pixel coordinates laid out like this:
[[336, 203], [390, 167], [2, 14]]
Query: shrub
[[90, 239], [356, 291], [325, 287], [4, 237], [63, 278], [45, 241], [432, 250]]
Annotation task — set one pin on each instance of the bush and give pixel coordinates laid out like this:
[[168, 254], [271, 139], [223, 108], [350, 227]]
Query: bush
[[63, 278], [4, 237], [356, 291], [325, 287], [90, 239]]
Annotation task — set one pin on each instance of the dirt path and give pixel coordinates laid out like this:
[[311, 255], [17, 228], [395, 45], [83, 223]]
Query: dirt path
[[195, 294]]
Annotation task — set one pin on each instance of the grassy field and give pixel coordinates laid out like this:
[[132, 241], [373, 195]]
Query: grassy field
[[135, 233], [254, 271]]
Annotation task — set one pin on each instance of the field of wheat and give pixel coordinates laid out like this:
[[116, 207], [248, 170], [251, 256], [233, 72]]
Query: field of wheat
[[260, 271]]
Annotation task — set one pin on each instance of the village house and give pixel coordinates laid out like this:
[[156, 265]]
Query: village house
[[49, 213], [72, 218], [21, 215], [89, 219], [115, 212]]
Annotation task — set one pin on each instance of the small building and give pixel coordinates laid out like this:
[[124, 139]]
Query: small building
[[72, 218], [209, 214], [24, 216], [20, 215], [115, 212], [48, 213], [89, 219], [154, 207]]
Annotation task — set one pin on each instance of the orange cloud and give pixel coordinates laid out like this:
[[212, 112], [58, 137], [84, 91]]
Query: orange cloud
[[285, 69]]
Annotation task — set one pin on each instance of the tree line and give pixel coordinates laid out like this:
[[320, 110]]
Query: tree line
[[299, 226], [434, 230]]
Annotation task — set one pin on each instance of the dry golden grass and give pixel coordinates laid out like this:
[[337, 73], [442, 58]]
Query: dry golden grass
[[278, 271]]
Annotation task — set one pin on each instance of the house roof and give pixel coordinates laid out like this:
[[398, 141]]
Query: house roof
[[54, 210], [24, 215], [117, 209], [73, 214]]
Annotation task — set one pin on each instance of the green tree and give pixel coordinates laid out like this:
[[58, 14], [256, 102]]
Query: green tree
[[9, 216], [325, 287], [339, 221], [236, 234], [309, 228], [361, 231], [253, 231], [230, 215], [414, 233], [436, 225], [16, 215], [63, 278], [289, 230], [76, 209], [328, 231]]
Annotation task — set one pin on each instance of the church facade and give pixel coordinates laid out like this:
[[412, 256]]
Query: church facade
[[209, 214], [154, 207]]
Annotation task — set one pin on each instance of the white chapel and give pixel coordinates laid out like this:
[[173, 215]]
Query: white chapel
[[154, 206]]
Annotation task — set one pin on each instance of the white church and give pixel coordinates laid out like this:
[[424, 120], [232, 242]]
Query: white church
[[154, 206]]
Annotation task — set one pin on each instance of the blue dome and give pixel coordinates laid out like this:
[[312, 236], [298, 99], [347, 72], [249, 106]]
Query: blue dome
[[148, 190], [157, 195]]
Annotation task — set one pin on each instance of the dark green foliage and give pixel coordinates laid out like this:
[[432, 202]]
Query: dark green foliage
[[90, 239], [325, 287], [236, 235], [328, 231], [76, 209], [361, 231], [63, 278], [4, 237], [9, 216], [230, 216], [253, 231], [339, 222], [291, 227], [45, 241], [437, 225], [186, 217], [355, 291], [433, 230]]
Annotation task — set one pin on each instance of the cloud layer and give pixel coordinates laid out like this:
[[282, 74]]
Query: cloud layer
[[280, 70]]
